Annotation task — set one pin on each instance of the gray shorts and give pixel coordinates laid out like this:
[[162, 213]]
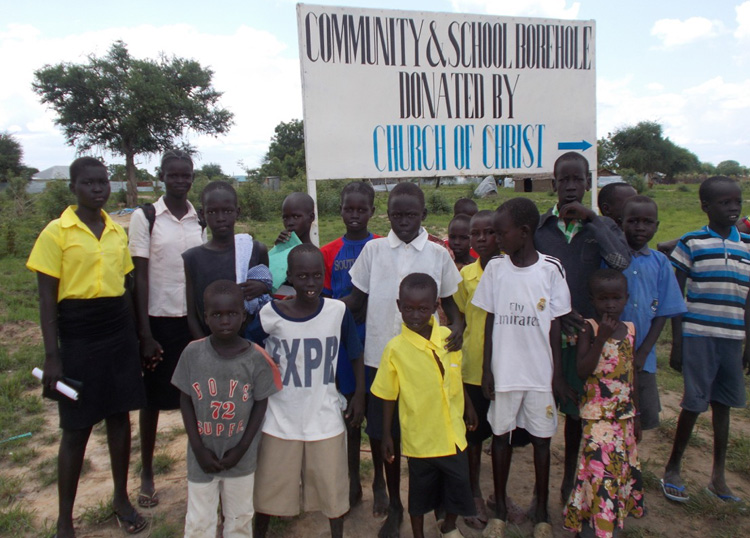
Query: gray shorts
[[649, 405], [712, 371]]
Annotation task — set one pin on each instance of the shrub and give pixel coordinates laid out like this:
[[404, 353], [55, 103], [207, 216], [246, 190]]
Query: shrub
[[55, 198], [436, 203]]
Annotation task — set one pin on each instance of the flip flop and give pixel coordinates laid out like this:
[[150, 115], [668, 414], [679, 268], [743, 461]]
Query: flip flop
[[671, 496], [132, 523], [725, 498], [148, 501]]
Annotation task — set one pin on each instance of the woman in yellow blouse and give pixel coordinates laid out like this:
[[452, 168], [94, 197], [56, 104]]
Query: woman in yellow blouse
[[81, 260]]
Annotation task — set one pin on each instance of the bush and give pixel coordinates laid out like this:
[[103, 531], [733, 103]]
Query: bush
[[55, 198], [436, 203], [636, 180]]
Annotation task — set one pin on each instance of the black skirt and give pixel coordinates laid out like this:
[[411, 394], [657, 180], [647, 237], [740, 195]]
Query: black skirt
[[99, 348], [174, 335]]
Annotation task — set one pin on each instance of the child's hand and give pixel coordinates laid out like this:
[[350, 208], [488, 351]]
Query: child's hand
[[151, 353], [576, 210], [607, 326], [488, 385], [470, 418], [53, 372], [637, 427], [252, 289], [208, 460], [562, 390], [572, 322], [283, 237], [387, 447], [675, 357], [639, 358], [456, 338], [231, 457], [355, 412]]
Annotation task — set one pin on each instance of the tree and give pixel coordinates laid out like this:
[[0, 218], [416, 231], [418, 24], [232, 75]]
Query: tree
[[644, 149], [730, 168], [212, 172], [11, 155], [286, 153], [130, 106], [605, 152]]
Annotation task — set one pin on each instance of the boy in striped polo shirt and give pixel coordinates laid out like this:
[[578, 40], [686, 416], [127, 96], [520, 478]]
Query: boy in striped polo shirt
[[707, 341]]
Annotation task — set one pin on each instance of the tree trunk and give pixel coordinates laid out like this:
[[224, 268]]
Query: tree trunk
[[132, 192]]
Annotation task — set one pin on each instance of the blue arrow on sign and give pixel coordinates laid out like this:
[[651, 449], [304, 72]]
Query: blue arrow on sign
[[582, 145]]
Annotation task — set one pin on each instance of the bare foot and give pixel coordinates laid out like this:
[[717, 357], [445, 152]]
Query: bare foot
[[379, 502], [391, 527]]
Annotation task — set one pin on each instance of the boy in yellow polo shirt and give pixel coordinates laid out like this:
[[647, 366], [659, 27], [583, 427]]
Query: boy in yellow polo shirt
[[425, 378]]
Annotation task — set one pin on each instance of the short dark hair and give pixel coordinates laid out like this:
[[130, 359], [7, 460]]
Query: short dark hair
[[418, 281], [359, 187], [465, 206], [174, 155], [461, 217], [608, 193], [218, 186], [605, 274], [483, 214], [407, 188], [706, 191], [639, 199], [80, 164], [302, 197], [522, 211], [222, 287], [299, 250], [571, 156]]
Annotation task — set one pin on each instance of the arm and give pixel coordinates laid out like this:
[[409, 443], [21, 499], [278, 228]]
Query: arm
[[206, 458], [613, 248], [560, 387], [389, 407], [192, 317], [675, 357], [356, 410], [151, 350], [356, 302], [455, 322], [234, 454], [589, 350], [48, 288], [470, 415], [657, 324], [488, 380]]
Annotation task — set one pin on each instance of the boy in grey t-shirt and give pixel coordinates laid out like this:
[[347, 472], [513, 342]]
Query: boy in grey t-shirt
[[225, 383]]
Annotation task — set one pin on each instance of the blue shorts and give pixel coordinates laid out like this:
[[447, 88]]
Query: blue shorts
[[374, 426], [712, 371]]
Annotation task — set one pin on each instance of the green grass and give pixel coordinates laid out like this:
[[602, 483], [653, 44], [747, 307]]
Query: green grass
[[162, 464], [9, 488], [738, 455], [99, 513], [18, 300], [15, 520], [162, 528]]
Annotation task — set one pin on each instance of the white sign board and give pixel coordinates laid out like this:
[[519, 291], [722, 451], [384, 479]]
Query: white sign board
[[417, 94]]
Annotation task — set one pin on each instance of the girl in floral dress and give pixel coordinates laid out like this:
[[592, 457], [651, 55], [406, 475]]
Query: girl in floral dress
[[609, 485]]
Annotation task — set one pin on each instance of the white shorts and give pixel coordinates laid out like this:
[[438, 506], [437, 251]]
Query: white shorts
[[532, 410], [236, 496]]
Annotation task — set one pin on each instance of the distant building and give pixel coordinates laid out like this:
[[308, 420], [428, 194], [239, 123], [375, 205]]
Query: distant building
[[40, 179]]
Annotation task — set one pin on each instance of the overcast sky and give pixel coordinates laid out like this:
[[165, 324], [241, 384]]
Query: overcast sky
[[682, 63]]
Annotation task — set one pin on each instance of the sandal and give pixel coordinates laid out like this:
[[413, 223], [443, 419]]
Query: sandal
[[148, 501], [478, 521], [132, 523]]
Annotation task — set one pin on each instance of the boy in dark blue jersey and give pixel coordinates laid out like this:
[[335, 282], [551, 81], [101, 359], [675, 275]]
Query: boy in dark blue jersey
[[357, 206]]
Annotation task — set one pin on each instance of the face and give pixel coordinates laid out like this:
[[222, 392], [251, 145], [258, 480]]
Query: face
[[177, 176], [356, 211], [220, 211], [483, 238], [724, 206], [640, 223], [609, 297], [91, 187], [459, 238], [571, 182], [614, 211], [406, 214], [306, 274], [296, 216], [417, 306], [510, 238], [224, 315]]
